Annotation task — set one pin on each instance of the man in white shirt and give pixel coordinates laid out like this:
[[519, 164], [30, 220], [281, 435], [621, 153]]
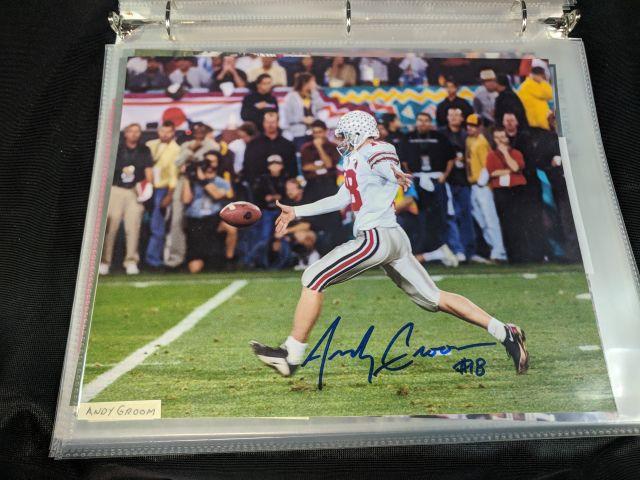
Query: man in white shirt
[[190, 76], [484, 101], [246, 63], [372, 177], [246, 132], [271, 67]]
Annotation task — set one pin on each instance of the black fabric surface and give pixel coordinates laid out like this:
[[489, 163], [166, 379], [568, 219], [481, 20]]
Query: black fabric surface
[[50, 73]]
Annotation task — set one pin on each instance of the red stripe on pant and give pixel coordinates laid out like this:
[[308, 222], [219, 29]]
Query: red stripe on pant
[[345, 265]]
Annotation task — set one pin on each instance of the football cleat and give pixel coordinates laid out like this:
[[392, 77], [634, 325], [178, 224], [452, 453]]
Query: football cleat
[[516, 346], [274, 357]]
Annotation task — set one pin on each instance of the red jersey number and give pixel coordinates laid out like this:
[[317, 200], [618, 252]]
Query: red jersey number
[[352, 185]]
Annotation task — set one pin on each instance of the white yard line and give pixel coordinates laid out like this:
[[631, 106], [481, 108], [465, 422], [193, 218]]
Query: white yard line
[[589, 348], [214, 281], [136, 358], [146, 364]]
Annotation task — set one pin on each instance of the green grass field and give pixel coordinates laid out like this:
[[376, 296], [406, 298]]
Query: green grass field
[[210, 370]]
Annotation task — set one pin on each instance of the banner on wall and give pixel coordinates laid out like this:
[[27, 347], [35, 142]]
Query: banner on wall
[[218, 111], [406, 102]]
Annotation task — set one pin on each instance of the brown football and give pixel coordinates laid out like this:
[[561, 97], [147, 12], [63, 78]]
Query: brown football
[[240, 214]]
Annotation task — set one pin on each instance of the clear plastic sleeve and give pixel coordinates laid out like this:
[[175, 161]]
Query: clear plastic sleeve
[[444, 29]]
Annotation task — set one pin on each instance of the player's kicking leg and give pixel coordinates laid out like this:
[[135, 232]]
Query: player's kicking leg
[[407, 273], [342, 263]]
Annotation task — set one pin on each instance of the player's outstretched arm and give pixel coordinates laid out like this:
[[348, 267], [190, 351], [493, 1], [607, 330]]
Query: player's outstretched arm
[[286, 216], [325, 205]]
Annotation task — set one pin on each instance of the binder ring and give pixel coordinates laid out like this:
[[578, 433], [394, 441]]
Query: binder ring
[[348, 14], [167, 19], [523, 9]]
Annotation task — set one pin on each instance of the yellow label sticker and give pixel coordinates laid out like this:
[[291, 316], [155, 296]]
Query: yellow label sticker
[[126, 410]]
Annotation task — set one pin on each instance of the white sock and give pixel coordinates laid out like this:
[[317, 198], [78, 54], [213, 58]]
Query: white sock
[[497, 330], [295, 350]]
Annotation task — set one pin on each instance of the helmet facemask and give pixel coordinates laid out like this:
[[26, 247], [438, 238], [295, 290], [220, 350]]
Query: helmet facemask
[[349, 142], [343, 147], [354, 128]]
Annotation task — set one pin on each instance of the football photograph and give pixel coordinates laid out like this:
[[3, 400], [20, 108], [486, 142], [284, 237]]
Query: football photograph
[[329, 236]]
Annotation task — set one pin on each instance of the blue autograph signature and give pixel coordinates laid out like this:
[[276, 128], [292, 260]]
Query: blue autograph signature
[[388, 361]]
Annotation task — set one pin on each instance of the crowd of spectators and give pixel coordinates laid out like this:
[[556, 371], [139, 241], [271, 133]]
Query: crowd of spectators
[[489, 185], [220, 72]]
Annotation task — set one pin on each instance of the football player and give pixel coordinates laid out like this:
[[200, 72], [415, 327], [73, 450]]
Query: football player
[[372, 176]]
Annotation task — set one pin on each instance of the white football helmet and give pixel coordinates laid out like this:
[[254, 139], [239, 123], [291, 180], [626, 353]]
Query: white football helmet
[[353, 129]]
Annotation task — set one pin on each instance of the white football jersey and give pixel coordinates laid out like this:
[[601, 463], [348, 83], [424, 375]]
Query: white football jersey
[[370, 186]]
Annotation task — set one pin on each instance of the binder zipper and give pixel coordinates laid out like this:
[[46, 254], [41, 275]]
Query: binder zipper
[[556, 18]]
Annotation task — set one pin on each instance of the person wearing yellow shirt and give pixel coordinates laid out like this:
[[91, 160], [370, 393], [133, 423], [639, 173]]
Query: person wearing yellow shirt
[[535, 94], [483, 208], [164, 151]]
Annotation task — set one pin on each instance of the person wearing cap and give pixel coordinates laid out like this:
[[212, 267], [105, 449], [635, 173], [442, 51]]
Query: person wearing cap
[[483, 208], [484, 101], [452, 101]]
